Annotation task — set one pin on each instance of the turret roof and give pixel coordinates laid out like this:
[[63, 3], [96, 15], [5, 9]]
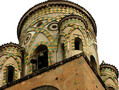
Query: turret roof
[[11, 45], [106, 65]]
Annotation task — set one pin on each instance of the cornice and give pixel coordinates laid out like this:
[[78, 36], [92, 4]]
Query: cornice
[[105, 65], [11, 45]]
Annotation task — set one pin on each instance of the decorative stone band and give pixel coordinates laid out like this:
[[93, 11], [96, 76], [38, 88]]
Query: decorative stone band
[[111, 67], [57, 7], [7, 57], [73, 18], [37, 31], [71, 23], [10, 46]]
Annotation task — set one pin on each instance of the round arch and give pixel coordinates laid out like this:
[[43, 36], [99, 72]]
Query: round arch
[[46, 87]]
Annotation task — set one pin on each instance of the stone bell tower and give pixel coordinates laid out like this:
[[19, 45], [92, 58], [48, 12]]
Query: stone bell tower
[[57, 51], [57, 30]]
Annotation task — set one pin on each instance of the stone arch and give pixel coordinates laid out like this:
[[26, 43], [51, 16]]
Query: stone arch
[[110, 88], [110, 77], [50, 57], [40, 58], [74, 27], [43, 43], [57, 10], [46, 87], [110, 83], [77, 27], [73, 42], [5, 73], [73, 18], [40, 29], [6, 58]]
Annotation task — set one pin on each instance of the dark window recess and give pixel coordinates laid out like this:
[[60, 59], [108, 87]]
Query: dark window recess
[[43, 59], [41, 55], [54, 26], [111, 88], [63, 51], [46, 88], [93, 62], [10, 74], [34, 64], [27, 38], [78, 44], [39, 24]]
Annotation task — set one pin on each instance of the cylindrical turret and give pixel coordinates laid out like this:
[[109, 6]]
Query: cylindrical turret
[[109, 75], [10, 63], [62, 29]]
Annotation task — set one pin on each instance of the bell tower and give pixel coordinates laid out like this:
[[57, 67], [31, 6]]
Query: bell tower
[[57, 30], [57, 50]]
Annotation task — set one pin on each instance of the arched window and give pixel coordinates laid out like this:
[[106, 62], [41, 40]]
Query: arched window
[[111, 88], [10, 74], [63, 51], [93, 62], [78, 44], [41, 57], [46, 87]]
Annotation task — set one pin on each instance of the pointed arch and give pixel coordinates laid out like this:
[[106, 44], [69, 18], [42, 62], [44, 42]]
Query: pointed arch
[[41, 29], [46, 87], [74, 27], [9, 56]]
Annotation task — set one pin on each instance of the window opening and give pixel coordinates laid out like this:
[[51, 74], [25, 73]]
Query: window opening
[[41, 58], [10, 74], [93, 62], [78, 44], [63, 51]]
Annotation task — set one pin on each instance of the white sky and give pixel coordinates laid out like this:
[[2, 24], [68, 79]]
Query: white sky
[[105, 13]]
